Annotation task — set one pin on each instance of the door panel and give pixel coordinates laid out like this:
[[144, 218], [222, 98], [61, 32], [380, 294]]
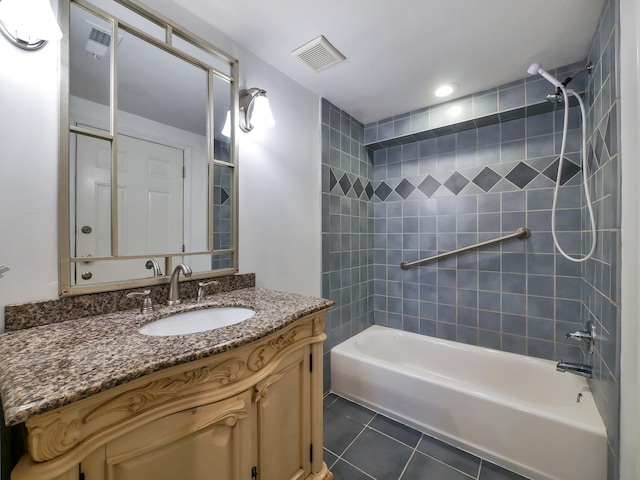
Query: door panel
[[283, 420], [212, 441], [150, 206]]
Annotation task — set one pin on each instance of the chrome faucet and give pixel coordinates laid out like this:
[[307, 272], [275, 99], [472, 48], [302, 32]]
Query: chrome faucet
[[581, 369], [587, 335], [579, 335], [174, 289]]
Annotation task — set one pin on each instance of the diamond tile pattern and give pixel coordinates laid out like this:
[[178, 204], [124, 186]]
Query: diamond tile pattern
[[405, 188], [598, 148], [429, 186], [456, 182], [383, 191], [569, 170], [357, 187], [487, 179], [521, 175], [345, 184], [369, 190], [333, 181]]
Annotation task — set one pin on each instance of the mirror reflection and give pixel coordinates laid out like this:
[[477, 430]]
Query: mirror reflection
[[152, 121]]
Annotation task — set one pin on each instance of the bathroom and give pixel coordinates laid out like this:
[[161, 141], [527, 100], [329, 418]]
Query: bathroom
[[275, 161]]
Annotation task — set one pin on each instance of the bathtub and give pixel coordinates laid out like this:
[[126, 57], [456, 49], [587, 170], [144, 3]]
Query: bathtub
[[513, 410]]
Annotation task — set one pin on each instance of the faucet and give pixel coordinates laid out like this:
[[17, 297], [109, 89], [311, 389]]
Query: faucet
[[587, 335], [174, 292], [581, 369], [201, 287], [153, 264]]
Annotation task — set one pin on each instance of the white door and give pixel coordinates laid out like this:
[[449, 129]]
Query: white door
[[150, 206]]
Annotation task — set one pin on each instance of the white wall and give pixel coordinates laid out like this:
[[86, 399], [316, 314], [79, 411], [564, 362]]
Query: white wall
[[630, 285], [28, 173], [279, 173]]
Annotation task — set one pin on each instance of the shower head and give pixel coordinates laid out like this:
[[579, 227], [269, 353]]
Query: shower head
[[533, 68], [537, 68]]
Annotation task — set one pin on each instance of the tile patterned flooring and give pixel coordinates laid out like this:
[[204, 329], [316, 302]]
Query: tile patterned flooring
[[361, 444]]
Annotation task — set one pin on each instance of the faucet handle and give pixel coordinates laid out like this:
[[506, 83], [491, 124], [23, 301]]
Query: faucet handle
[[153, 264], [147, 304], [201, 286]]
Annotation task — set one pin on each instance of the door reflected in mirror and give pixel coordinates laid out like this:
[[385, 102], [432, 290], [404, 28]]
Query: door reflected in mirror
[[147, 117]]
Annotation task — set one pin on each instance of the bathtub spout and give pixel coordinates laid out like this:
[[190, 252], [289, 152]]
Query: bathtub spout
[[581, 369]]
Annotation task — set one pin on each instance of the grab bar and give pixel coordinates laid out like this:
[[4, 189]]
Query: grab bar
[[521, 233]]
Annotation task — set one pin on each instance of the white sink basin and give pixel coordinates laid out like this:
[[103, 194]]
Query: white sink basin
[[197, 321]]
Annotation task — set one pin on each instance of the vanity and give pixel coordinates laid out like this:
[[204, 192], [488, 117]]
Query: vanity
[[100, 400]]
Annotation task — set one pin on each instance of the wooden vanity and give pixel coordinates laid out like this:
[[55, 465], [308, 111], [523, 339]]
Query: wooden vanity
[[253, 411]]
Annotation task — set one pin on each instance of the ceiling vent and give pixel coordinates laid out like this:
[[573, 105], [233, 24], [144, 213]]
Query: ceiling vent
[[98, 43], [318, 54], [96, 39]]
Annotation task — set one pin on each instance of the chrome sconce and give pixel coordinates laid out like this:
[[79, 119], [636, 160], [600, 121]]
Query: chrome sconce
[[28, 24], [255, 110]]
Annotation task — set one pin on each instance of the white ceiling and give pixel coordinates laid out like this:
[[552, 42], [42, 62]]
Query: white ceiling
[[399, 51]]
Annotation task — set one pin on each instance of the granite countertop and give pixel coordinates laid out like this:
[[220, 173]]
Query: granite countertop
[[46, 367]]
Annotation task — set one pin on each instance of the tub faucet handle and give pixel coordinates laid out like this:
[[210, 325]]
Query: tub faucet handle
[[587, 335], [147, 304]]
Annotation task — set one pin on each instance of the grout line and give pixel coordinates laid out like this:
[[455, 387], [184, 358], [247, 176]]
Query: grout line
[[411, 456]]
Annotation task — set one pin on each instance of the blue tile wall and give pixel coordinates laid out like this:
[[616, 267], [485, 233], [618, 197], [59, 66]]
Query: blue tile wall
[[347, 228], [601, 275], [461, 188]]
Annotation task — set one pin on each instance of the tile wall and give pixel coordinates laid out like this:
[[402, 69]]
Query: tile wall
[[601, 275], [462, 188], [347, 228]]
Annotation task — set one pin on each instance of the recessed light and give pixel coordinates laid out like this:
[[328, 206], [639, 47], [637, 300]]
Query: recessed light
[[446, 90]]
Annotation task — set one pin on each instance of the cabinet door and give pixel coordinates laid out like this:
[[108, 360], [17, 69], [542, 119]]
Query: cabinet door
[[211, 441], [283, 426]]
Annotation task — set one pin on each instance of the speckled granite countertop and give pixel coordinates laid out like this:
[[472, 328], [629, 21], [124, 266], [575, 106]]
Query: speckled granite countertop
[[46, 367]]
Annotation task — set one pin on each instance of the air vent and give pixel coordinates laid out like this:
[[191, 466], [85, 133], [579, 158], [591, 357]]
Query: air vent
[[98, 43], [100, 37], [318, 54], [95, 39]]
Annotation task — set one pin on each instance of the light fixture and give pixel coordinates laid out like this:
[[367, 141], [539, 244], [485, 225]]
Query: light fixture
[[446, 90], [255, 110], [28, 24]]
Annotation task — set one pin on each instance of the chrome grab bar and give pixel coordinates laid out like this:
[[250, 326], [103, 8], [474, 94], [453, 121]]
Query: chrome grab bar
[[521, 233]]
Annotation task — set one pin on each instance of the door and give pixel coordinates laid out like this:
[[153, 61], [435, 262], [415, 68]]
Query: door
[[283, 420], [211, 441], [150, 205]]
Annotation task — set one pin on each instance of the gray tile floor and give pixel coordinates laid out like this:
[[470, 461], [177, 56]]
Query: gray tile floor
[[361, 444]]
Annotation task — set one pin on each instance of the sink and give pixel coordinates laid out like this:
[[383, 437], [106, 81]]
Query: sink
[[197, 321]]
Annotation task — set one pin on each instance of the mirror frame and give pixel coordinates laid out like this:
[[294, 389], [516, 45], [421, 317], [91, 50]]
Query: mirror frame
[[65, 259]]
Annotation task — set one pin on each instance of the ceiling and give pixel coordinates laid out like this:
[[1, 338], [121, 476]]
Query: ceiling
[[398, 51]]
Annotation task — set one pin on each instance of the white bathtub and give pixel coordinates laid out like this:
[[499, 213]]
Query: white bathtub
[[513, 410]]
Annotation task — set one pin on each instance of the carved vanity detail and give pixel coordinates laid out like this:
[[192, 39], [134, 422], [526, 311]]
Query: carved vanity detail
[[254, 411]]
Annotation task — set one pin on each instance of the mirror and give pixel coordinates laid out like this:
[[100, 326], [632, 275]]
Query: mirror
[[148, 179]]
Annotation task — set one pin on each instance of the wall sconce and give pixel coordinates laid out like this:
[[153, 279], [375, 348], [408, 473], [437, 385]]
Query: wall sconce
[[28, 24], [255, 110]]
